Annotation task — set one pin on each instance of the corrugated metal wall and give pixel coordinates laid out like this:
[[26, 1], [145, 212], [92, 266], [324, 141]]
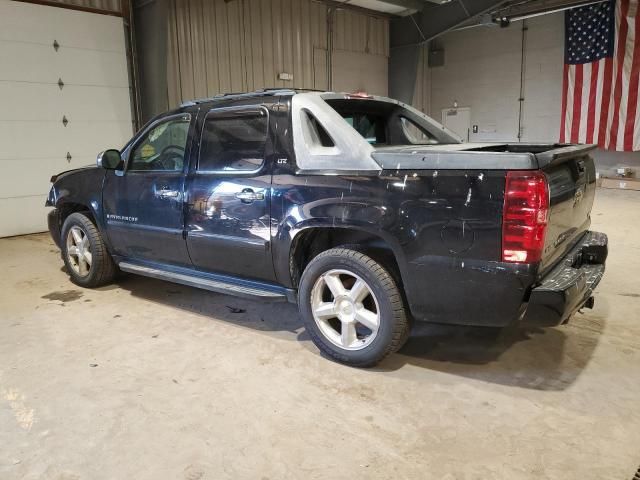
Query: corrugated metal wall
[[218, 46], [422, 89], [356, 32], [107, 5]]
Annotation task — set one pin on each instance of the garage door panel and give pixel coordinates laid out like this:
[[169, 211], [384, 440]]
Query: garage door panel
[[33, 140], [23, 23], [93, 67], [26, 101], [34, 63], [31, 177], [23, 215], [95, 136], [91, 61], [27, 62]]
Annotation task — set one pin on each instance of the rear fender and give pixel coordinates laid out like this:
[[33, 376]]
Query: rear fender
[[346, 233]]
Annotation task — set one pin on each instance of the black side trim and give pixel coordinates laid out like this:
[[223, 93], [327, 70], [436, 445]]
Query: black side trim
[[214, 283]]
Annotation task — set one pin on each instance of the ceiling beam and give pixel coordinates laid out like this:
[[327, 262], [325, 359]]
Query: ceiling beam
[[540, 6], [413, 4], [349, 6], [434, 20]]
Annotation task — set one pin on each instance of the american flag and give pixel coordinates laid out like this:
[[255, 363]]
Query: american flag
[[601, 70]]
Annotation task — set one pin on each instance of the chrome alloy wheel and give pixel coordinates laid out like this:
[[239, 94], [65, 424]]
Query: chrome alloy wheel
[[79, 251], [345, 309]]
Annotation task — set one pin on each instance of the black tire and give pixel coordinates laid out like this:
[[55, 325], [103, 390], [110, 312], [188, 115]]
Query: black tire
[[102, 269], [393, 327]]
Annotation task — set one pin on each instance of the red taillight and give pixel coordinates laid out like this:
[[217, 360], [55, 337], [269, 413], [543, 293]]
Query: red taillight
[[525, 216]]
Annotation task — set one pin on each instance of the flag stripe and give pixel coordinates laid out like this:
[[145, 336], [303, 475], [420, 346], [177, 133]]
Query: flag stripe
[[626, 77], [617, 92], [570, 91], [598, 102], [563, 115], [606, 102], [577, 104], [629, 127], [584, 102], [591, 112]]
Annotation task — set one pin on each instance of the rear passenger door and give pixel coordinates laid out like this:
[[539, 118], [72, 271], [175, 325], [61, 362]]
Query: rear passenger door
[[227, 211]]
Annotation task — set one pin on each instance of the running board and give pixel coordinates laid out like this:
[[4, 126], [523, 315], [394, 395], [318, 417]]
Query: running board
[[218, 284]]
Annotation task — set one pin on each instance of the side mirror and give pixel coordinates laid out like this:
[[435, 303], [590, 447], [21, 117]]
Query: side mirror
[[109, 159]]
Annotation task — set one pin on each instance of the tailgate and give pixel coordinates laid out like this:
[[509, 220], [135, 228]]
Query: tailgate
[[572, 184]]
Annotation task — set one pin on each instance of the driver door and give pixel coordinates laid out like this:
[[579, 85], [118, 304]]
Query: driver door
[[143, 205]]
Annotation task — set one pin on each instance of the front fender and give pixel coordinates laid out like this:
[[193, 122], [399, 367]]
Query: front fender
[[79, 189]]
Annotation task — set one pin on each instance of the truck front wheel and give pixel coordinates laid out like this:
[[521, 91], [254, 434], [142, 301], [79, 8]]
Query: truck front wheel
[[352, 307], [84, 253]]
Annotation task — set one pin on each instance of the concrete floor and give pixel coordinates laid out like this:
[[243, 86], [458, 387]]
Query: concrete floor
[[149, 380]]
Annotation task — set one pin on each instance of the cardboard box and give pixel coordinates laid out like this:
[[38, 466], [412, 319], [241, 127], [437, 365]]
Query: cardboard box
[[625, 172], [621, 183]]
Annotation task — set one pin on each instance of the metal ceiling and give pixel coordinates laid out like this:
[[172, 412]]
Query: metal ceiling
[[504, 9], [432, 20], [393, 7]]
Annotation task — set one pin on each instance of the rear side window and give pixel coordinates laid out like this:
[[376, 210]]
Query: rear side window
[[370, 126], [415, 133], [233, 141]]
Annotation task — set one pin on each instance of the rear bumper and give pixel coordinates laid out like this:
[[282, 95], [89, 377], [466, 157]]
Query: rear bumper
[[569, 286]]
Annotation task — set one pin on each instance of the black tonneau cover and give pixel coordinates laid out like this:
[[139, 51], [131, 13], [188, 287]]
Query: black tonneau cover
[[475, 156]]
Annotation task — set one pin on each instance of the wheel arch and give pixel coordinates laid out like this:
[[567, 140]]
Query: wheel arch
[[310, 241], [79, 191]]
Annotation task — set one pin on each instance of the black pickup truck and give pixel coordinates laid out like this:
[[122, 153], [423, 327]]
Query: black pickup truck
[[362, 210]]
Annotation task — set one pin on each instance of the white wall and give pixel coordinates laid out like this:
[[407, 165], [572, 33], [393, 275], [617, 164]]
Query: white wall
[[482, 71]]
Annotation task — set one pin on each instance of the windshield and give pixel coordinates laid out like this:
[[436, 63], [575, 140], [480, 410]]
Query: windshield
[[388, 124]]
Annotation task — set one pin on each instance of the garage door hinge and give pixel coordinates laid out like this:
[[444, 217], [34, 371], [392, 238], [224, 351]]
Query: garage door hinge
[[56, 45], [60, 83], [64, 120], [69, 157]]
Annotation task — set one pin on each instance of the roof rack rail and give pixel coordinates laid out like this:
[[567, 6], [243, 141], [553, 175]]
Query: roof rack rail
[[262, 91]]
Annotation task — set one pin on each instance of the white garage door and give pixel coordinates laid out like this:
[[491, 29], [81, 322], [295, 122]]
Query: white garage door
[[47, 127]]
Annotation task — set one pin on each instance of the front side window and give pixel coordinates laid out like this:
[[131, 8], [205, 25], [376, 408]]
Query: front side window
[[163, 147], [233, 141]]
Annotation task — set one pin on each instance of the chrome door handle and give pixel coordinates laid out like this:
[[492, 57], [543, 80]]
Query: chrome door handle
[[166, 193], [249, 196]]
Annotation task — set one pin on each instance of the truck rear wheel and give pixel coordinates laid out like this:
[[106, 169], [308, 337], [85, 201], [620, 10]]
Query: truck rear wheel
[[84, 252], [352, 307]]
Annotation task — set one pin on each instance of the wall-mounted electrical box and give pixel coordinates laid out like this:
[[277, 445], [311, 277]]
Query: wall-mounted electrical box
[[436, 58]]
